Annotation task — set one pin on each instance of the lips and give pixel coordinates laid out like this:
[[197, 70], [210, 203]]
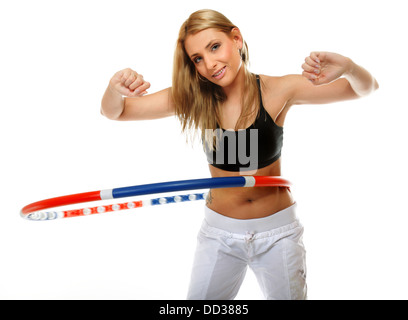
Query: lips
[[219, 73]]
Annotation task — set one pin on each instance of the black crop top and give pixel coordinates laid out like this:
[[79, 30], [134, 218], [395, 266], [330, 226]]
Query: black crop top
[[253, 148]]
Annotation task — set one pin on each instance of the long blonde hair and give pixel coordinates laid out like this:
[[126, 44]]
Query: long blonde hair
[[198, 101]]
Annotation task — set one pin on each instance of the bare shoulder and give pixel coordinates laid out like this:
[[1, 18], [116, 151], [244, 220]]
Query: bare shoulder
[[276, 92], [279, 89], [280, 84]]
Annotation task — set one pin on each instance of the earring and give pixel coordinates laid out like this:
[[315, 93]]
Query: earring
[[201, 78]]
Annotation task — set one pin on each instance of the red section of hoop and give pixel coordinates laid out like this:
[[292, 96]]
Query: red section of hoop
[[261, 181], [108, 208], [62, 201]]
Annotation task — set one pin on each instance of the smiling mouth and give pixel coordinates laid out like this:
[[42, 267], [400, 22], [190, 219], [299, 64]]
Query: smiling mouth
[[219, 72]]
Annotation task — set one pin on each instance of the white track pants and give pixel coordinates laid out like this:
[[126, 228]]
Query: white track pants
[[272, 247]]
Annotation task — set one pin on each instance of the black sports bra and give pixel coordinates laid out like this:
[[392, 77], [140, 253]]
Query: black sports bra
[[253, 148]]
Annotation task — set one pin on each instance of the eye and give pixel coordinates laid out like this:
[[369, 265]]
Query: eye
[[197, 59], [215, 46]]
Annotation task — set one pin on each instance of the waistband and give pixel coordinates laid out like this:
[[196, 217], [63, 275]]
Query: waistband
[[274, 221]]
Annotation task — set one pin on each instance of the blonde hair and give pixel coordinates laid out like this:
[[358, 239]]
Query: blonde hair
[[198, 101]]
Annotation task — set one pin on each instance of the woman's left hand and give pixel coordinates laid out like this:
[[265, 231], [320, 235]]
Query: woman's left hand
[[325, 67]]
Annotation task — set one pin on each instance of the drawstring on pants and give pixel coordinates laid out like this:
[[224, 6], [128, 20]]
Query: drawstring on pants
[[249, 236]]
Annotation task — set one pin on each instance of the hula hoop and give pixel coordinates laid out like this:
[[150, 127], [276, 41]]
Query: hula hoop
[[32, 211]]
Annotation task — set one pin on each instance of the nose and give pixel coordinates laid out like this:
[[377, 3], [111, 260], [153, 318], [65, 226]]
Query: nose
[[211, 64]]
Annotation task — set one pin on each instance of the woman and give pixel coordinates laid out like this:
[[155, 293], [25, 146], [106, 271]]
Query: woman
[[212, 89]]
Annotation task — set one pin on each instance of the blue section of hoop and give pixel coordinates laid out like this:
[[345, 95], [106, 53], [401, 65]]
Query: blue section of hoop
[[182, 185], [181, 198]]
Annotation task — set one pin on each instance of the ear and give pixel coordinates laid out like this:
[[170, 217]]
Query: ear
[[237, 37]]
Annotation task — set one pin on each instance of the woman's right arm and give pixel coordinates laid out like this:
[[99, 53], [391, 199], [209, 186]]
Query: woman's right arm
[[125, 99]]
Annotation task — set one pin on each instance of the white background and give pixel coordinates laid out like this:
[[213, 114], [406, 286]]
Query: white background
[[347, 160]]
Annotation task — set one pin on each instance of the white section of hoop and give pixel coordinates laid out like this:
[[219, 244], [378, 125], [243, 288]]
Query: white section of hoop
[[249, 181], [106, 194], [146, 203]]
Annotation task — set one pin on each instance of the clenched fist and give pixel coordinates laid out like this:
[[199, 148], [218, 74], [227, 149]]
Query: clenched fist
[[129, 83], [325, 67]]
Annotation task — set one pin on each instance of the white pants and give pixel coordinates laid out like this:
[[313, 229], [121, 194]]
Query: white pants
[[272, 247]]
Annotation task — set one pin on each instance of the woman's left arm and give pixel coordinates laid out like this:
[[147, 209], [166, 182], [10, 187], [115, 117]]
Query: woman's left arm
[[332, 77]]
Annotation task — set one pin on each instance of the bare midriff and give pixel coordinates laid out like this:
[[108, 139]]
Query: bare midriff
[[249, 203]]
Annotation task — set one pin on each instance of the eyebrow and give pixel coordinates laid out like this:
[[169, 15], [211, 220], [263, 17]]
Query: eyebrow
[[206, 47]]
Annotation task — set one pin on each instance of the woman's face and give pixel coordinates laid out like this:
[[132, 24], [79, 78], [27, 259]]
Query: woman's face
[[216, 55]]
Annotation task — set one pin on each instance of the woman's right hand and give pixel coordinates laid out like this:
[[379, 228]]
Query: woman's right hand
[[129, 83]]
